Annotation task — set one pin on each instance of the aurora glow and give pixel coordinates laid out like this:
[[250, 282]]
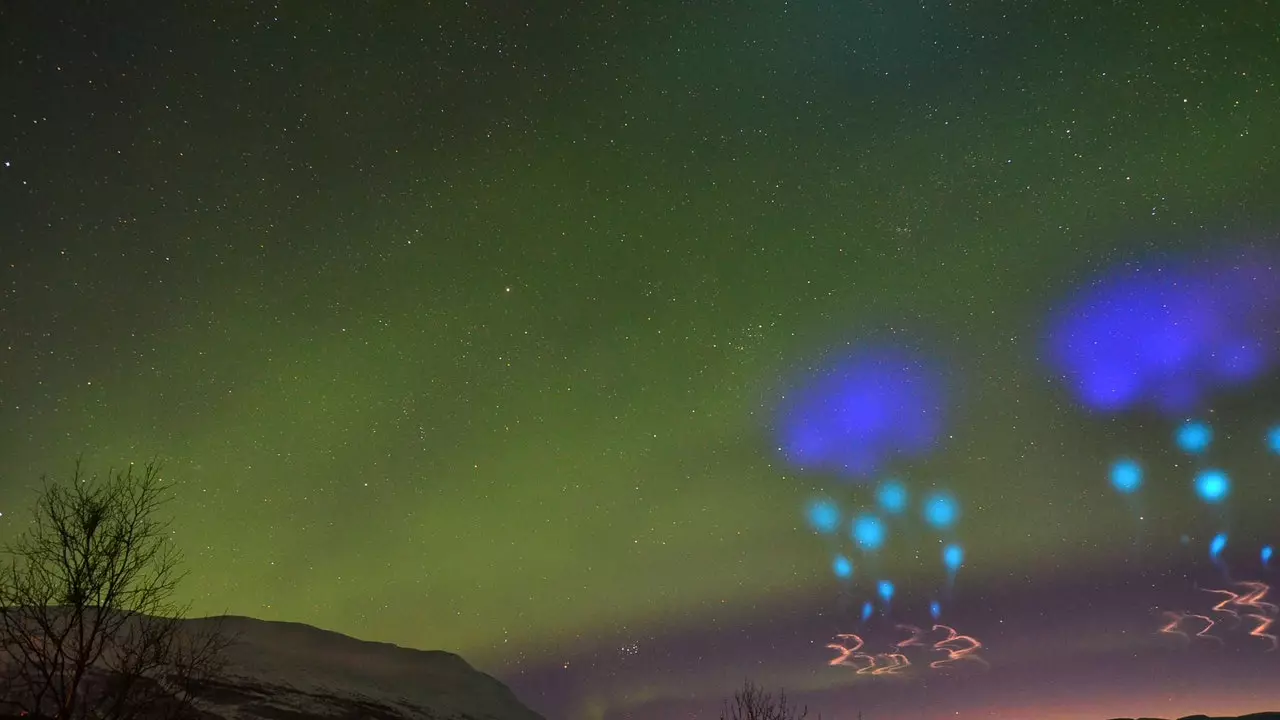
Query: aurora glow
[[572, 338]]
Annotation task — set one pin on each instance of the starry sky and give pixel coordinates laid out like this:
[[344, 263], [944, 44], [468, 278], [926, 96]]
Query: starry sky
[[526, 331]]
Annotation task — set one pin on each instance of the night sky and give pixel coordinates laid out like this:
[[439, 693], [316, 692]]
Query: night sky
[[577, 337]]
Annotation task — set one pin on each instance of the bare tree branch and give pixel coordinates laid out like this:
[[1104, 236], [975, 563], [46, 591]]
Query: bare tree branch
[[88, 626], [753, 703]]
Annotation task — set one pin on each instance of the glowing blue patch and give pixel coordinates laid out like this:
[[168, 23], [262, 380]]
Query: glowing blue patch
[[868, 532], [867, 610], [1126, 476], [842, 567], [1213, 486], [1273, 440], [1165, 335], [935, 610], [953, 557], [1266, 555], [941, 510], [862, 410], [892, 497], [824, 516], [1194, 437], [1217, 545], [884, 589]]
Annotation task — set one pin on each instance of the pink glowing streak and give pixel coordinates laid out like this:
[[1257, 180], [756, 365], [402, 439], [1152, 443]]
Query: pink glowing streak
[[1253, 606], [897, 662], [917, 637], [850, 656], [957, 647], [1174, 627], [847, 654], [849, 647]]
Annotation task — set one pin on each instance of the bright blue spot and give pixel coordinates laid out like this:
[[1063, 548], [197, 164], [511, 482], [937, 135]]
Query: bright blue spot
[[1126, 476], [935, 610], [953, 557], [1273, 439], [868, 532], [1266, 555], [863, 409], [842, 567], [824, 516], [941, 510], [867, 610], [1217, 545], [885, 590], [1194, 437], [1164, 335], [892, 497], [1213, 486]]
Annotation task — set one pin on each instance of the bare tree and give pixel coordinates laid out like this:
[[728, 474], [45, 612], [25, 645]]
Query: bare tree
[[753, 703], [88, 627]]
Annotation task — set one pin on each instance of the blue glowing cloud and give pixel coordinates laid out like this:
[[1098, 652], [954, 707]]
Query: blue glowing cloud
[[842, 567], [941, 510], [1266, 555], [935, 610], [867, 610], [824, 516], [1217, 545], [1213, 486], [892, 497], [1126, 476], [1273, 439], [866, 408], [953, 558], [1193, 437], [868, 532], [1165, 335], [884, 589]]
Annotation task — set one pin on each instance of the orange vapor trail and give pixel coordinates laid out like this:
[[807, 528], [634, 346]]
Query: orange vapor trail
[[957, 647], [1264, 622], [1254, 598], [1222, 607]]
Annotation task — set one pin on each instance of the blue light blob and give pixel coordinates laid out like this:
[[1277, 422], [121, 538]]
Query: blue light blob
[[1165, 335], [867, 610], [1217, 545], [868, 532], [1273, 439], [935, 610], [941, 510], [1266, 555], [824, 516], [884, 589], [892, 497], [953, 557], [1194, 437], [865, 408], [1213, 486], [1126, 476], [842, 567]]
